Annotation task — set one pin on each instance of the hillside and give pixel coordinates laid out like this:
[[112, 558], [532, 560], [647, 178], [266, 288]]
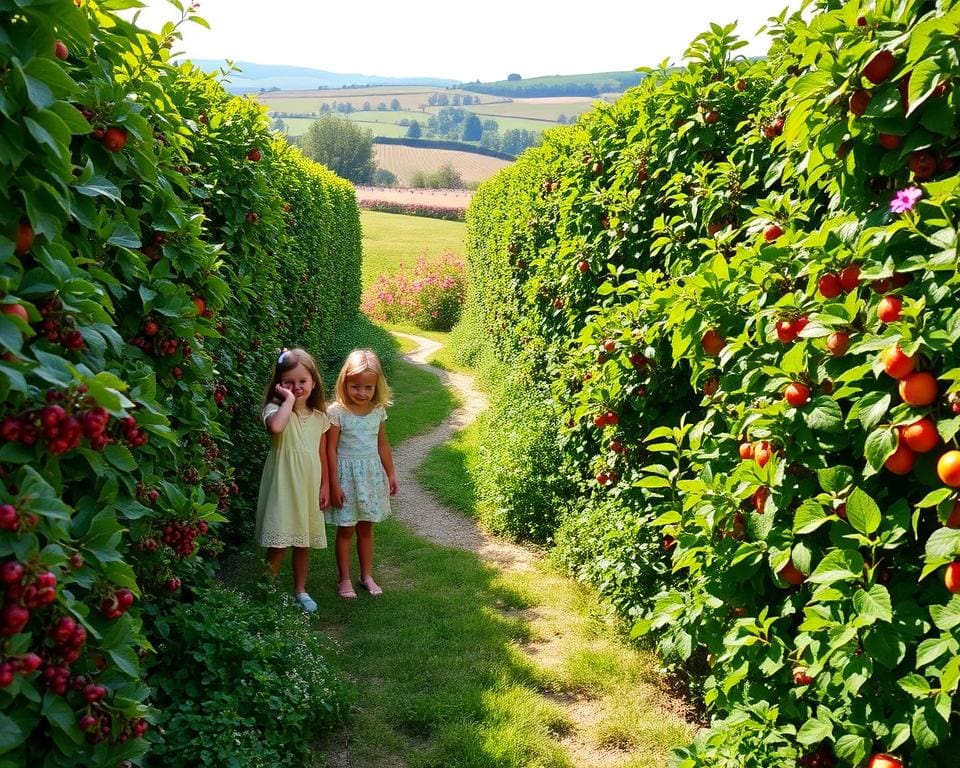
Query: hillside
[[591, 84], [264, 77]]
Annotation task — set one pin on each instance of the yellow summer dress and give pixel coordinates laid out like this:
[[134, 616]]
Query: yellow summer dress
[[288, 508]]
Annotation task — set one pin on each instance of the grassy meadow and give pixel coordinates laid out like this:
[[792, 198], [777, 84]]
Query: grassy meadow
[[392, 241]]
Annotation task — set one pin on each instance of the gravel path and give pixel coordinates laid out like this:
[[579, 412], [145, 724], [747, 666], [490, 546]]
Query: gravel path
[[420, 510]]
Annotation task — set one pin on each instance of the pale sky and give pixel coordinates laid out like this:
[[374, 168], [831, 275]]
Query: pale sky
[[483, 39]]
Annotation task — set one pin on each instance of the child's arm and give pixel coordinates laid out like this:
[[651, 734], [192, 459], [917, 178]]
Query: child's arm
[[277, 421], [324, 473], [386, 457], [333, 440]]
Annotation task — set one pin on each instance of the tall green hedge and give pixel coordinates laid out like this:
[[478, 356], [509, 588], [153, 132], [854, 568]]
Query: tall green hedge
[[737, 292], [157, 246]]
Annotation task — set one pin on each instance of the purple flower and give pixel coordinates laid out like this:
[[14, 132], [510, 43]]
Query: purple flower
[[905, 199]]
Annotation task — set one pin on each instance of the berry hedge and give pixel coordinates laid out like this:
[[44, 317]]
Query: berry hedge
[[733, 299], [157, 246]]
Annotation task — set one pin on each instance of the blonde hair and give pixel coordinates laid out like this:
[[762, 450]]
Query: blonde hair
[[287, 361], [360, 361]]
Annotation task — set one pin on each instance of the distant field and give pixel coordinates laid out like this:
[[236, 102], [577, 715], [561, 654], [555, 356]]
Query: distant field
[[537, 109], [404, 162], [392, 241], [410, 98]]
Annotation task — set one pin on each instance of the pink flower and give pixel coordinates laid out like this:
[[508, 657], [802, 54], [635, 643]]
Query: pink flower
[[905, 199]]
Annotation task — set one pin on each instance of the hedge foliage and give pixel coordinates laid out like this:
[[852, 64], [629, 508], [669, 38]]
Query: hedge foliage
[[157, 247], [737, 291]]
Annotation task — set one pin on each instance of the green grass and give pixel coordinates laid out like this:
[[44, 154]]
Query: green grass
[[391, 240], [448, 471]]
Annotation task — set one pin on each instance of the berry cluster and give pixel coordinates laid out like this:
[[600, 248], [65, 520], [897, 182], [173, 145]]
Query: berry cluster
[[133, 434], [182, 536], [67, 418], [98, 725], [13, 519], [24, 591], [115, 605], [58, 326]]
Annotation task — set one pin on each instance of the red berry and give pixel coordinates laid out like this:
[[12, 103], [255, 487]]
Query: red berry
[[797, 394], [829, 286], [60, 50], [923, 164], [859, 100], [114, 138], [254, 155], [850, 278], [879, 67], [889, 308], [772, 232]]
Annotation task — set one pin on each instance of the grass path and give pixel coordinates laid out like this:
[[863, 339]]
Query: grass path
[[479, 655]]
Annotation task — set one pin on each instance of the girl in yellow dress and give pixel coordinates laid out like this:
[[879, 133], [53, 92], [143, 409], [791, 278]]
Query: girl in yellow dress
[[294, 486]]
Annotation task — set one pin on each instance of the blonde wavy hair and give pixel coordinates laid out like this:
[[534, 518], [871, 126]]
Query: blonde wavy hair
[[360, 361]]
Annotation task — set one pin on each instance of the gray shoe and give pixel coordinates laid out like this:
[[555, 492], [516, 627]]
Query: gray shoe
[[306, 602]]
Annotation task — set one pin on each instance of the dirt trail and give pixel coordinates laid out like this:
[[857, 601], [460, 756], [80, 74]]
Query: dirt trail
[[419, 509], [548, 622]]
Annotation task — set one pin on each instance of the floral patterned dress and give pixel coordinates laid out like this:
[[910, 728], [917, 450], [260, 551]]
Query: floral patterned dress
[[361, 473]]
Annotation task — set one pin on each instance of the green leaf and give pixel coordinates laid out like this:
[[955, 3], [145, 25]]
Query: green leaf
[[873, 604], [879, 446], [823, 415], [120, 457], [931, 650], [946, 617], [943, 543], [814, 731], [923, 79], [872, 407], [809, 516], [11, 735], [928, 727], [58, 712], [852, 748], [124, 236], [916, 685], [862, 512], [884, 646], [126, 658], [838, 565], [99, 186], [835, 479]]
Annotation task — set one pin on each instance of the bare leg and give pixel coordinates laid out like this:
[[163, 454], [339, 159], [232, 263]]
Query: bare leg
[[342, 546], [274, 559], [301, 562], [365, 548], [365, 553]]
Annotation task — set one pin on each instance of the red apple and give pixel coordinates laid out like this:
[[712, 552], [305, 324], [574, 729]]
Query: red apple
[[879, 67]]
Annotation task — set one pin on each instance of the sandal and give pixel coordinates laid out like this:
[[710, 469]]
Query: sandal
[[345, 590], [371, 586], [306, 602]]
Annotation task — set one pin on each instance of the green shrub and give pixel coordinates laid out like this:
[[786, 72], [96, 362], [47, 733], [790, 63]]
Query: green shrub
[[520, 490], [241, 680]]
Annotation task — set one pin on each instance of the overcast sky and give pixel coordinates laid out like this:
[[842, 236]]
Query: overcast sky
[[482, 39]]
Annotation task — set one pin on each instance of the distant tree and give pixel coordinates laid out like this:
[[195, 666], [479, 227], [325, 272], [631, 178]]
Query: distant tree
[[443, 100], [414, 131], [279, 125], [455, 101], [384, 178], [366, 106], [490, 140], [432, 99], [448, 177], [341, 145], [395, 105], [472, 128], [516, 140], [324, 108], [514, 76], [381, 107], [491, 125], [346, 108]]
